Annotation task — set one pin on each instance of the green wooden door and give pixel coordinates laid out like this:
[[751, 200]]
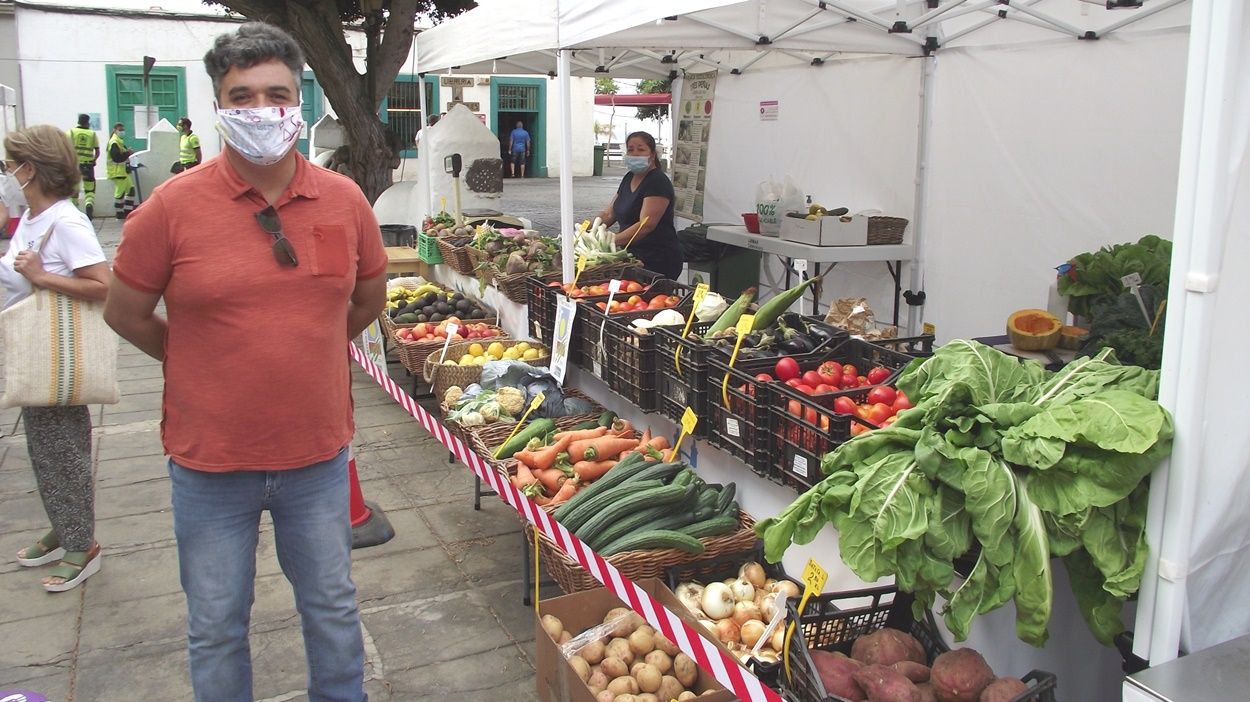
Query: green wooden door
[[311, 97], [166, 90], [524, 99]]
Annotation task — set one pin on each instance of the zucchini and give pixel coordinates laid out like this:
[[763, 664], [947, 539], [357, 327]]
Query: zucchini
[[729, 317], [771, 310], [654, 538], [605, 420], [536, 428], [587, 510], [611, 513], [620, 472], [726, 496], [590, 424], [711, 527]]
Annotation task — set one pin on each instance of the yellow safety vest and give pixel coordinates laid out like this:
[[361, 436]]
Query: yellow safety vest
[[187, 145], [116, 170], [85, 143]]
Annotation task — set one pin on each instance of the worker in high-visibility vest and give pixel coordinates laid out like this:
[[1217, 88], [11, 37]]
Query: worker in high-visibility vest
[[189, 154], [119, 172], [87, 147]]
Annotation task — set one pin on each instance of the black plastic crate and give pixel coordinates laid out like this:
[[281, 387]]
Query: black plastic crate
[[542, 298], [726, 566], [832, 622], [590, 326], [914, 346], [725, 350], [659, 286], [805, 427], [633, 358], [687, 388]]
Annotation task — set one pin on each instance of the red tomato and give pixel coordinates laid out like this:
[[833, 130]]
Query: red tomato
[[848, 369], [633, 286], [805, 389], [764, 377], [810, 415], [878, 375], [812, 378], [824, 388], [889, 420], [786, 368], [863, 381], [824, 422], [883, 394], [857, 428], [901, 402], [844, 405], [879, 412], [848, 381], [831, 372], [794, 382], [795, 408]]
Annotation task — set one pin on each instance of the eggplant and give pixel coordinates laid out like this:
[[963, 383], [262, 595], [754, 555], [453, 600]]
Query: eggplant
[[798, 344], [819, 333], [793, 320]]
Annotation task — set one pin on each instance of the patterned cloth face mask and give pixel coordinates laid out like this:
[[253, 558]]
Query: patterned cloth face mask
[[262, 135]]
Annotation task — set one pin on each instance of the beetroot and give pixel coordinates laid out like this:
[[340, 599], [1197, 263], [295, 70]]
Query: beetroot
[[960, 676], [1003, 690], [884, 684], [915, 672], [887, 646], [837, 674]]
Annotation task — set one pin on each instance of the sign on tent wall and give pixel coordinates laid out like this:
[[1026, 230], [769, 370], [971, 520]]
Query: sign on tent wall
[[694, 127]]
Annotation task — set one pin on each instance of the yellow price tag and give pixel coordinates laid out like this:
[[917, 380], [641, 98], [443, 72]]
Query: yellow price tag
[[689, 420], [745, 323], [814, 578], [538, 400], [442, 203], [581, 266], [641, 224], [929, 328], [700, 292]]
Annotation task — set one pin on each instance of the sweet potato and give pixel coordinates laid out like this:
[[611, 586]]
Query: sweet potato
[[885, 684], [887, 646], [927, 694], [1003, 690], [960, 676], [915, 672], [837, 674]]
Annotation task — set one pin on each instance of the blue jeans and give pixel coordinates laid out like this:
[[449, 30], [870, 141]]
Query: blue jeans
[[216, 522]]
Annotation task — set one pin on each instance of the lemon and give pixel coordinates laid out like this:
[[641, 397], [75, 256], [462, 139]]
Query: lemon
[[467, 361], [511, 354], [530, 354], [475, 350], [522, 347], [466, 357], [480, 361], [449, 362], [496, 350]]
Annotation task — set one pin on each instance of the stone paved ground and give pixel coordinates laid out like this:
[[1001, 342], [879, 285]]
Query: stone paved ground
[[441, 602]]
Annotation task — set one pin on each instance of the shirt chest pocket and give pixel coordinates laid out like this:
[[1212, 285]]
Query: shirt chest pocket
[[330, 248]]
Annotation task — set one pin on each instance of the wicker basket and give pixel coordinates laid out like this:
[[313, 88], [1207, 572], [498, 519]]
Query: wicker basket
[[886, 230], [653, 563], [412, 354], [456, 257], [442, 377], [491, 435], [514, 286]]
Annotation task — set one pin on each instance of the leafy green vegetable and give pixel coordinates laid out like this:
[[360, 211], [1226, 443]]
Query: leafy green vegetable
[[1007, 461]]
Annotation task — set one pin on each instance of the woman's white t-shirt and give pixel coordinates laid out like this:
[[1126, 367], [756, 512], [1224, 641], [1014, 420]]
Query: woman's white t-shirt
[[73, 245]]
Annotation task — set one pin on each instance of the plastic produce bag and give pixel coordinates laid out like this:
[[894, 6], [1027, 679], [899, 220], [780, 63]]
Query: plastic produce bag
[[768, 206], [533, 380]]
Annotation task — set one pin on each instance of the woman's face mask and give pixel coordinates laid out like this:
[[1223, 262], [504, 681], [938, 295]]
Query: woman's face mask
[[11, 189], [262, 135], [637, 164]]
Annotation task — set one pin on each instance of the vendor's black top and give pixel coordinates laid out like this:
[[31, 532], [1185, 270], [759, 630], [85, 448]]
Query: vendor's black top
[[659, 251]]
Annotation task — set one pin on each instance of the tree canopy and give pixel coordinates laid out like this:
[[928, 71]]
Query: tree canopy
[[653, 85]]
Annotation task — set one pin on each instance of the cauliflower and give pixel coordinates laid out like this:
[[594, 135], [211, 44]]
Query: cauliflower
[[490, 411], [472, 419], [511, 401], [452, 395]]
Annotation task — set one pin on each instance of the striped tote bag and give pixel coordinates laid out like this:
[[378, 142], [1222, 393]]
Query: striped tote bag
[[58, 352]]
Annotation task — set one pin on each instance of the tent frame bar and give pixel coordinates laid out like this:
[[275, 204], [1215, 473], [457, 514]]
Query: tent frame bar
[[996, 18], [1139, 15]]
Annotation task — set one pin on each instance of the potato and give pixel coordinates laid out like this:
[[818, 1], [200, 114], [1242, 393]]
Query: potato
[[927, 693], [960, 676], [619, 648], [565, 637], [887, 646], [1003, 690], [670, 688], [581, 667], [624, 685], [612, 668], [687, 695], [640, 642], [646, 697], [660, 660], [605, 696], [626, 698], [593, 652], [915, 672], [553, 626], [685, 670], [633, 669], [837, 674], [598, 679], [628, 623], [884, 684], [648, 678], [664, 644]]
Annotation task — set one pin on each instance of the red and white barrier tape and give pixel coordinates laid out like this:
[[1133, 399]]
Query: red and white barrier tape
[[709, 658]]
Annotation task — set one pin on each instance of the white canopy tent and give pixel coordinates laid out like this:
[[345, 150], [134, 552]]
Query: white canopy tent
[[1129, 60]]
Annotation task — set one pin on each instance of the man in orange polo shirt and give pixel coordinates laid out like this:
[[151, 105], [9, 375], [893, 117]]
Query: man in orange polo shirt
[[268, 266]]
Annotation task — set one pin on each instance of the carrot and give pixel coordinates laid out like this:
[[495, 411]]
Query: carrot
[[600, 449], [567, 490], [623, 428], [582, 434], [646, 436], [550, 479], [659, 442], [587, 471], [544, 457], [523, 475]]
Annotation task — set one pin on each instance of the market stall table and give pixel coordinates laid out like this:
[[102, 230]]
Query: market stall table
[[404, 259], [892, 255]]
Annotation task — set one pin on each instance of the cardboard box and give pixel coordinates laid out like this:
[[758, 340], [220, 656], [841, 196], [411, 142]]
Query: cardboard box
[[849, 230], [556, 679]]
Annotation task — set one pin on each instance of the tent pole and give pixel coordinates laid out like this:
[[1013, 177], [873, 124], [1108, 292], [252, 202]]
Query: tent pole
[[425, 120], [920, 216], [564, 82], [1206, 192]]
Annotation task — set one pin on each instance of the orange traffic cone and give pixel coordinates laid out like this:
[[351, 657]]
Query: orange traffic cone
[[370, 526]]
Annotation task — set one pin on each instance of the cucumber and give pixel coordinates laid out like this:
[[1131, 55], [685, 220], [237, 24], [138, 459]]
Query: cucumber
[[729, 317], [659, 517], [587, 510], [711, 527], [536, 428], [605, 420], [726, 496], [591, 424], [622, 471], [660, 471], [654, 538], [610, 514]]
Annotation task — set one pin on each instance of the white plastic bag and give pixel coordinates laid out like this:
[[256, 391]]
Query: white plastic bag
[[768, 206], [792, 199]]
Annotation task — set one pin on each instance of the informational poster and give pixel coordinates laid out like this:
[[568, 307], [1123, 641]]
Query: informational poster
[[371, 344], [694, 126], [769, 110], [566, 310]]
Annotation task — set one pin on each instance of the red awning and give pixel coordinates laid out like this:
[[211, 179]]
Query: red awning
[[640, 100]]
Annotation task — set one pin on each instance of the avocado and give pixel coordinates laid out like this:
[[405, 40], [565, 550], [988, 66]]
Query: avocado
[[442, 308], [406, 319], [436, 317], [428, 299], [457, 297], [477, 314], [464, 306], [410, 308], [428, 310], [422, 318]]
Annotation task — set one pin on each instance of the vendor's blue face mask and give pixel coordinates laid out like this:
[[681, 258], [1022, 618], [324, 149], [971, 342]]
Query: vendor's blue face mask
[[637, 164]]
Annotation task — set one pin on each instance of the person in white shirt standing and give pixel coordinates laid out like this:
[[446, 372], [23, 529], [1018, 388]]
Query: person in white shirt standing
[[55, 247]]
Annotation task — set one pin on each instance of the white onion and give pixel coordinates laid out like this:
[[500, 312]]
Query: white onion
[[690, 594], [717, 601], [745, 612], [768, 606], [768, 656], [787, 588], [743, 590], [727, 632], [754, 573], [778, 641]]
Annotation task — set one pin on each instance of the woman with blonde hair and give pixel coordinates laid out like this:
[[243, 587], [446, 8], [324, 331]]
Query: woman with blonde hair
[[55, 247]]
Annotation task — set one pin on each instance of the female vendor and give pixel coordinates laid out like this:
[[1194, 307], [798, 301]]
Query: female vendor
[[643, 207]]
